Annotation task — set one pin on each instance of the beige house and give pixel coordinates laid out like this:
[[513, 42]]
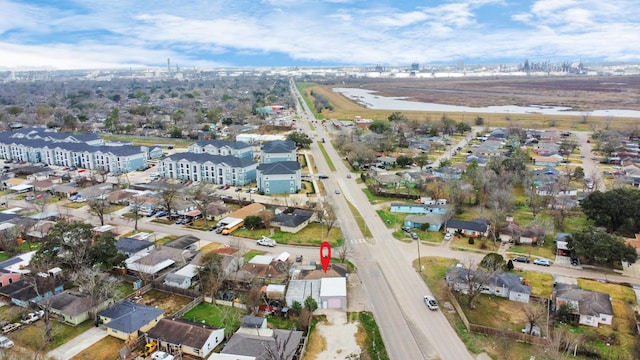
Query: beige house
[[127, 320]]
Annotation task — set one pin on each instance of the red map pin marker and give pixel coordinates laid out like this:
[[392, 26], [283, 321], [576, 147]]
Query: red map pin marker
[[325, 256]]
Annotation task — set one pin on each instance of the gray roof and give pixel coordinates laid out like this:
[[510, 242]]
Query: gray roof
[[224, 143], [128, 316], [467, 225], [182, 332], [591, 303], [182, 242], [130, 246], [279, 168], [292, 219], [278, 146], [214, 159], [430, 218], [254, 322], [71, 303], [253, 345], [512, 282]]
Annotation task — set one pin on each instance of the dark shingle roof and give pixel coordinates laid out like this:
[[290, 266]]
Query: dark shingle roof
[[178, 331], [71, 303], [224, 143], [215, 159], [253, 345], [130, 246], [467, 225], [278, 146], [279, 168], [128, 316]]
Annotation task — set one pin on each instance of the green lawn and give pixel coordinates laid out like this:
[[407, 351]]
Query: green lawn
[[391, 219], [250, 254], [312, 235], [327, 158], [219, 316], [4, 256]]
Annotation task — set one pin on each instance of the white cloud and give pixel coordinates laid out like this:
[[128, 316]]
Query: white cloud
[[334, 31]]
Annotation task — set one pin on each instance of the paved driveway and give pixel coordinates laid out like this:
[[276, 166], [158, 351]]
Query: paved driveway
[[78, 344]]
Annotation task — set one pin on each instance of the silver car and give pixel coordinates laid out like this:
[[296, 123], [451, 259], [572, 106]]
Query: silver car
[[431, 302]]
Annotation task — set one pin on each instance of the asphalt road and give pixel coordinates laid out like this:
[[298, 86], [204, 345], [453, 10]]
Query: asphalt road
[[395, 290]]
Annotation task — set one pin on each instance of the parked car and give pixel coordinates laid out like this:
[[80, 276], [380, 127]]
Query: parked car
[[30, 198], [265, 241], [431, 302], [238, 189], [414, 236], [543, 262], [298, 258], [31, 318], [11, 327], [348, 176], [6, 343], [522, 259], [337, 191], [161, 355], [448, 236], [161, 214], [575, 261], [406, 229]]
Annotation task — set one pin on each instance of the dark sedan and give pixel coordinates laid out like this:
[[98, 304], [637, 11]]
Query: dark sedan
[[522, 259]]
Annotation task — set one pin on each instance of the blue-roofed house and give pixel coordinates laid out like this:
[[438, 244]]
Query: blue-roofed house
[[409, 208], [24, 293], [283, 177], [216, 169], [278, 150], [434, 221], [127, 320], [238, 149], [475, 228]]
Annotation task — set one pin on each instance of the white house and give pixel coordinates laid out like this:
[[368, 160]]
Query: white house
[[591, 307], [182, 336], [183, 277], [333, 293]]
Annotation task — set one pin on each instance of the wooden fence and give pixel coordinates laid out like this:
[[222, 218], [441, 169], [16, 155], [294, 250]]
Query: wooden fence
[[185, 309], [176, 290], [493, 332]]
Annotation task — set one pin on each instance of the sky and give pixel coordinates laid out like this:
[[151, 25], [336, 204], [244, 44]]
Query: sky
[[97, 34]]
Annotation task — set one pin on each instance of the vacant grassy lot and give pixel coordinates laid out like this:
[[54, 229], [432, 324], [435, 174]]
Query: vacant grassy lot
[[220, 316], [499, 313], [33, 336], [312, 235], [105, 349]]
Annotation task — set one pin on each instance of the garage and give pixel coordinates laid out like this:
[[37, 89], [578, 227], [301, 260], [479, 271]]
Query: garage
[[333, 293]]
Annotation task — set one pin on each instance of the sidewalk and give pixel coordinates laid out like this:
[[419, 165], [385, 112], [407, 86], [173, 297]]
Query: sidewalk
[[78, 344]]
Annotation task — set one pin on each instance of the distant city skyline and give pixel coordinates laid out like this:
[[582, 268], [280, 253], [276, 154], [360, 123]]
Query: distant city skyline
[[98, 34]]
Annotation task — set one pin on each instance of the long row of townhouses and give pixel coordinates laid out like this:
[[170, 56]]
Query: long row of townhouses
[[216, 161], [232, 163], [85, 150]]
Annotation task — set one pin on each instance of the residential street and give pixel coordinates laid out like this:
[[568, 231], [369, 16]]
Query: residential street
[[391, 286]]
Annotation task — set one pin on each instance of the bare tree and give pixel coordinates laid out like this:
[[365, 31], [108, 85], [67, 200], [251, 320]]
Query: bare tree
[[136, 206], [533, 313], [560, 344], [327, 215], [98, 207], [343, 252], [281, 350], [200, 196], [211, 273], [474, 281], [169, 196], [99, 285]]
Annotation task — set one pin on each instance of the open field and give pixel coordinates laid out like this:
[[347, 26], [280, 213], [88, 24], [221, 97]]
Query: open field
[[105, 349], [578, 93]]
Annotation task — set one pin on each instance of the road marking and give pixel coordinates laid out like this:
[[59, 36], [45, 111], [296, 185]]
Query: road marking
[[358, 241]]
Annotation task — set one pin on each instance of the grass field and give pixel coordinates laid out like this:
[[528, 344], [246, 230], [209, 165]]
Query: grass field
[[219, 316], [345, 109], [312, 235], [105, 349]]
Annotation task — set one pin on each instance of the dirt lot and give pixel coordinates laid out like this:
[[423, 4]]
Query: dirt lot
[[168, 302], [105, 349]]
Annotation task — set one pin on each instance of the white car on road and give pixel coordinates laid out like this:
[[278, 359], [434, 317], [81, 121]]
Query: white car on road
[[265, 241], [431, 302]]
